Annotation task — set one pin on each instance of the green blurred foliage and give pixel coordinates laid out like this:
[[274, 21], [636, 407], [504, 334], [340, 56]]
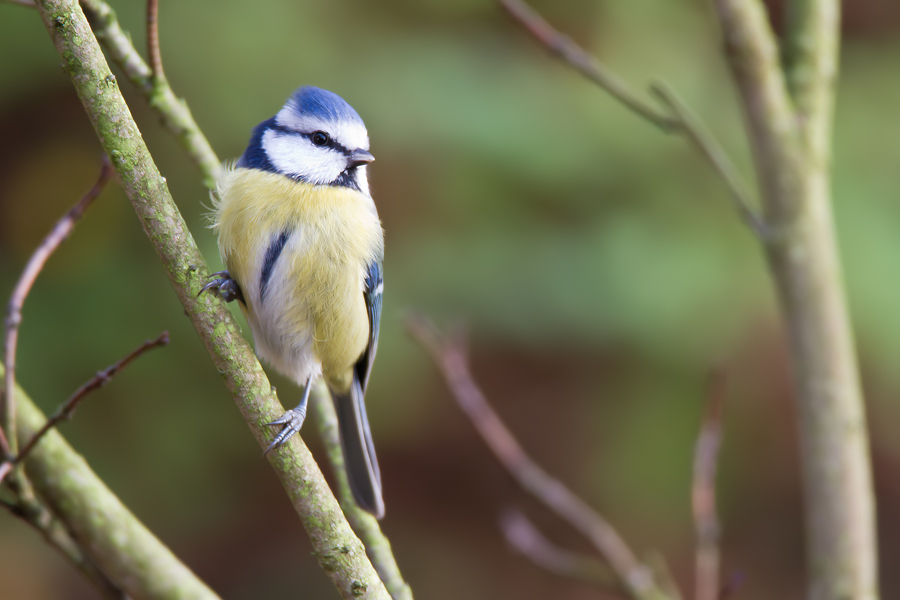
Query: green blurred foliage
[[597, 262]]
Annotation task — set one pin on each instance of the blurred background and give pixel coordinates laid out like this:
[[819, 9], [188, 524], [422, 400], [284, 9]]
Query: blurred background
[[597, 263]]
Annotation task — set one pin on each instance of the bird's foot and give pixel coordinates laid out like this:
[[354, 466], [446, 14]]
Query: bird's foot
[[225, 287], [292, 421]]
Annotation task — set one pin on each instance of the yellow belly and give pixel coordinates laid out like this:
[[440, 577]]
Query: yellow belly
[[313, 310]]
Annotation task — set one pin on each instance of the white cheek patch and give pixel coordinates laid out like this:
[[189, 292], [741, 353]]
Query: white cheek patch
[[295, 156]]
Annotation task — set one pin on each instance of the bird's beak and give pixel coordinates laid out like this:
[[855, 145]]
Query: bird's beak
[[360, 157]]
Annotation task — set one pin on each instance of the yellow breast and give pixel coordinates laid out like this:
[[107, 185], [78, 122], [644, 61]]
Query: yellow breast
[[335, 234]]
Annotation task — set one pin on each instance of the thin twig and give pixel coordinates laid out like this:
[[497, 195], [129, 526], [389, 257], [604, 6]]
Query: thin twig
[[57, 236], [569, 52], [65, 411], [703, 491], [706, 144], [679, 120], [524, 537], [451, 359], [153, 55]]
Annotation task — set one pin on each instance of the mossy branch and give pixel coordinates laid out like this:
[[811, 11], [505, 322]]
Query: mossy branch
[[115, 545], [118, 43], [364, 524], [173, 111], [338, 550]]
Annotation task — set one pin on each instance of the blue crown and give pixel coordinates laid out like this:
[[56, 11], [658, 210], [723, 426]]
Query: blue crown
[[325, 105]]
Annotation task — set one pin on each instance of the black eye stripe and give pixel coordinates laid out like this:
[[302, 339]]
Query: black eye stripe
[[331, 143]]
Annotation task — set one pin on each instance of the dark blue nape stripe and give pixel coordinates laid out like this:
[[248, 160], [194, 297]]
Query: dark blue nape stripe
[[254, 156], [272, 255]]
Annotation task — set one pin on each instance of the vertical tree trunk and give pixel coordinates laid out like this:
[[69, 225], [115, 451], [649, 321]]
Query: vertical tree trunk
[[789, 122]]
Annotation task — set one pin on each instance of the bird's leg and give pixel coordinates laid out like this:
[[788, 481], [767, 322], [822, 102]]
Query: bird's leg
[[225, 287], [292, 419]]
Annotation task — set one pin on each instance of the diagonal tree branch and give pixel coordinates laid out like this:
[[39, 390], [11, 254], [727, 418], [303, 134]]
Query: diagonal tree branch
[[365, 525], [635, 578], [35, 514], [677, 119], [709, 148], [337, 549], [174, 112], [133, 559], [569, 52]]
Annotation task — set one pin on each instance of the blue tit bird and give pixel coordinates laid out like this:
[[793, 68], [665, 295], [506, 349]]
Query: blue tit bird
[[303, 246]]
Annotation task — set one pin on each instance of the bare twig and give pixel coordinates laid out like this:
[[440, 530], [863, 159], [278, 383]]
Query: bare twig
[[525, 538], [678, 120], [153, 55], [569, 52], [703, 491], [706, 144], [65, 411], [450, 357], [57, 235]]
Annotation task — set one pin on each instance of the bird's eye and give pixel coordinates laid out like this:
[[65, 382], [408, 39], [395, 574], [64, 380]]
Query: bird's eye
[[319, 138]]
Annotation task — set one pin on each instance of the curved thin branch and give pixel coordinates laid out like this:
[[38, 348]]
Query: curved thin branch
[[339, 552], [678, 119], [694, 129], [35, 265], [68, 407], [526, 539], [569, 52], [636, 579]]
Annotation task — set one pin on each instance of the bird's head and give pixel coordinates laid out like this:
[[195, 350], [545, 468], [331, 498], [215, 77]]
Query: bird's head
[[317, 138]]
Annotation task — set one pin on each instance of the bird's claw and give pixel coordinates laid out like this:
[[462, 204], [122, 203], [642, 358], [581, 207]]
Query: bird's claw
[[225, 287], [292, 421]]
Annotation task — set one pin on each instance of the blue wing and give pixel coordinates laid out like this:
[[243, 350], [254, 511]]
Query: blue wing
[[374, 285]]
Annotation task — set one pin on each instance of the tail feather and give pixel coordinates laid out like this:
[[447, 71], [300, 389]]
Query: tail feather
[[359, 452]]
